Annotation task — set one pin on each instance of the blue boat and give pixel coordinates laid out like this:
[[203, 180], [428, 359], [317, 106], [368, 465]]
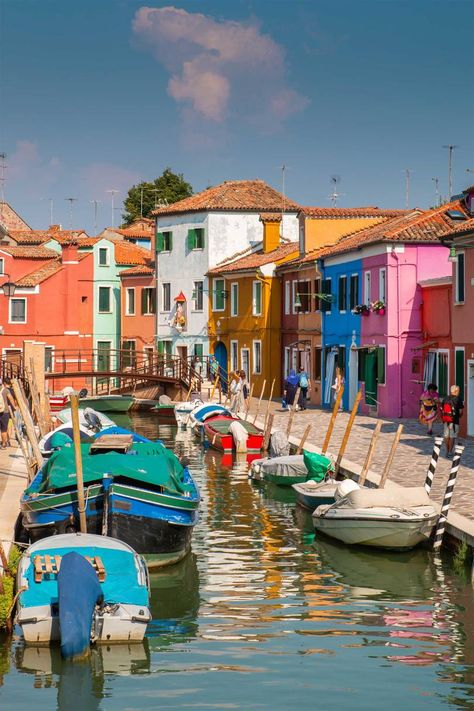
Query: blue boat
[[138, 492], [80, 588]]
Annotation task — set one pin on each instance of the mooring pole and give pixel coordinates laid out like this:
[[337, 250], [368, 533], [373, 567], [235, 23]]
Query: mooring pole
[[370, 453], [438, 441], [390, 457], [443, 517], [347, 433], [76, 432], [332, 421]]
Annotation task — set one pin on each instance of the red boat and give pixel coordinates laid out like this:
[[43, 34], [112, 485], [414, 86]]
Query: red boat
[[219, 436]]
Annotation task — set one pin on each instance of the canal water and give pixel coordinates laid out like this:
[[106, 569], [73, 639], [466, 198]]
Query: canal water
[[262, 616]]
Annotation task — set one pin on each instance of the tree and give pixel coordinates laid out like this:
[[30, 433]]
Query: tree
[[144, 197]]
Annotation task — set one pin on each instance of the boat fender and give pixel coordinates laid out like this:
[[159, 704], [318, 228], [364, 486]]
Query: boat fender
[[185, 462], [344, 488], [239, 435]]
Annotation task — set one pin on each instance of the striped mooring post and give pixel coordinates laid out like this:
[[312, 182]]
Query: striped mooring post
[[438, 441], [441, 525]]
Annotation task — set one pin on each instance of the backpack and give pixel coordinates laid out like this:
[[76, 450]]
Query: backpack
[[303, 380], [447, 412]]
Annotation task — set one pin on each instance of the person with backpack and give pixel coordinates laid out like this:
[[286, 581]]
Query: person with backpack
[[304, 385], [451, 410]]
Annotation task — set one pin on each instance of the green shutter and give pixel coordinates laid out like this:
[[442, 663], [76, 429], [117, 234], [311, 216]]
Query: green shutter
[[191, 239], [442, 374], [153, 301], [219, 294], [370, 378], [160, 242], [170, 241], [104, 299], [459, 372], [362, 355], [144, 304], [161, 347], [381, 366]]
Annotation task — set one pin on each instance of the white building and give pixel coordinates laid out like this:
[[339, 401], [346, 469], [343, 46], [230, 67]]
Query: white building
[[197, 233]]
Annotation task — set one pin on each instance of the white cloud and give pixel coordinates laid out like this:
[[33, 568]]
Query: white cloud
[[219, 68]]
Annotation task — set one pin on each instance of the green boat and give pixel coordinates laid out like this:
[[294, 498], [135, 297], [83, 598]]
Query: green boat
[[291, 469], [108, 403]]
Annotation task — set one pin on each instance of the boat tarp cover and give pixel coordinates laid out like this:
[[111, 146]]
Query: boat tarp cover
[[318, 465], [222, 425], [150, 464], [291, 466], [120, 584], [398, 498]]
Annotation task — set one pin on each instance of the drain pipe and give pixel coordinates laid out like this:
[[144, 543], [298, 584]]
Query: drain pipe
[[441, 525], [433, 464], [395, 256]]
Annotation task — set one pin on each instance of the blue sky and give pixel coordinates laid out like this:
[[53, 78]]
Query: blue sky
[[99, 94]]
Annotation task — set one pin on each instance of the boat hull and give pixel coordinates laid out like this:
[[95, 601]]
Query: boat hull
[[108, 403], [380, 533], [311, 495], [165, 414], [225, 442]]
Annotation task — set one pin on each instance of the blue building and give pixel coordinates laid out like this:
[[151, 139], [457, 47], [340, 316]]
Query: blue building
[[340, 327]]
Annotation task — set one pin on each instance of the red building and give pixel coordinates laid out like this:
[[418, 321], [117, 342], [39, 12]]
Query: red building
[[138, 310]]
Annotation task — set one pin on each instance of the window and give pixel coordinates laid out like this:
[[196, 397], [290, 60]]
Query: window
[[17, 311], [199, 350], [166, 296], [105, 300], [129, 358], [294, 290], [287, 296], [459, 370], [354, 291], [342, 293], [383, 285], [257, 298], [234, 299], [164, 241], [460, 278], [148, 301], [148, 353], [49, 359], [234, 355], [2, 266], [367, 288], [195, 238], [130, 301], [103, 256], [165, 347], [198, 296], [326, 286], [257, 357], [218, 295], [317, 363], [317, 290], [286, 364], [304, 292], [381, 365]]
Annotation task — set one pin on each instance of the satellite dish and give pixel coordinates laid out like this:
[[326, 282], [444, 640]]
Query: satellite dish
[[82, 393]]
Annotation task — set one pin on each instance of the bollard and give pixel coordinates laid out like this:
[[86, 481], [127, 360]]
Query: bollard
[[438, 441], [443, 517]]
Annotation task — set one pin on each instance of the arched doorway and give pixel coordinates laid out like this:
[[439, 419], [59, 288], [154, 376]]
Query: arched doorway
[[220, 352]]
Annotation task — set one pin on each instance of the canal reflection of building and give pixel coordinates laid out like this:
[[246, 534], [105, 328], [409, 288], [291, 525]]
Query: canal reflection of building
[[80, 684], [174, 603]]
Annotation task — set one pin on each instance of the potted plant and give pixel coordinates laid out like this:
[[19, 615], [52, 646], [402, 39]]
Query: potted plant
[[378, 307], [361, 310]]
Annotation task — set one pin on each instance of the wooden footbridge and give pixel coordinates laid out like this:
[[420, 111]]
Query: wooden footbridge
[[122, 370]]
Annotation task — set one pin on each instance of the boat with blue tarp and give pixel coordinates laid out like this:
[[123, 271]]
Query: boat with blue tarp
[[80, 589], [138, 492]]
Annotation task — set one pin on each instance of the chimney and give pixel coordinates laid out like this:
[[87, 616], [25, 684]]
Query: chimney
[[69, 254], [271, 230]]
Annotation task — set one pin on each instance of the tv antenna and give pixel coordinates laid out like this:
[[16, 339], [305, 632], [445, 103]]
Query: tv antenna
[[283, 169], [450, 168], [51, 202], [408, 173], [3, 166], [436, 184], [96, 212], [71, 201], [113, 193], [335, 195]]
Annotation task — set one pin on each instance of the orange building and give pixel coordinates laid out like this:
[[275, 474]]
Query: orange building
[[138, 309]]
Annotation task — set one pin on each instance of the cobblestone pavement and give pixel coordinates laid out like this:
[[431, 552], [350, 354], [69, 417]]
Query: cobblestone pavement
[[411, 459]]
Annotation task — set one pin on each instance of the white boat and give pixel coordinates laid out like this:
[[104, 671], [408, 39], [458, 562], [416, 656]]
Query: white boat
[[183, 410], [118, 613], [62, 434], [87, 417], [311, 494], [399, 519]]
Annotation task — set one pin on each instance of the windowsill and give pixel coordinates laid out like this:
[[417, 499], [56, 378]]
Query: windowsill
[[197, 249], [14, 323], [131, 314], [165, 312], [258, 315], [148, 314], [234, 315], [342, 312], [197, 311], [105, 313], [458, 303], [218, 311]]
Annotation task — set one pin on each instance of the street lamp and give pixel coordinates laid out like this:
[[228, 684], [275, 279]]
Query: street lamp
[[9, 287]]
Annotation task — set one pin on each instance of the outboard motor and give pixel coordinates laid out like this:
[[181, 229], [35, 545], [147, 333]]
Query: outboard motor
[[92, 420]]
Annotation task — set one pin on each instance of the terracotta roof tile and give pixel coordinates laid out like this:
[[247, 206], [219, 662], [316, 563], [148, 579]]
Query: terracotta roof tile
[[140, 270], [87, 241], [129, 254], [255, 260], [466, 226], [33, 252], [40, 275], [339, 213], [270, 216], [236, 195], [135, 232], [25, 237]]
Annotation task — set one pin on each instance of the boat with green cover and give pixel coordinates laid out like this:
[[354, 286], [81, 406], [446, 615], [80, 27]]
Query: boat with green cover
[[108, 403], [143, 496]]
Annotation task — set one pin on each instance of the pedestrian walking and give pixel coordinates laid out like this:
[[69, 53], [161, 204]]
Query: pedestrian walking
[[305, 387], [213, 367], [291, 386], [245, 385], [429, 407], [451, 411], [237, 393], [6, 399]]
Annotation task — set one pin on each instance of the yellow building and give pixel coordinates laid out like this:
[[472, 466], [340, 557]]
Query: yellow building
[[245, 309]]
